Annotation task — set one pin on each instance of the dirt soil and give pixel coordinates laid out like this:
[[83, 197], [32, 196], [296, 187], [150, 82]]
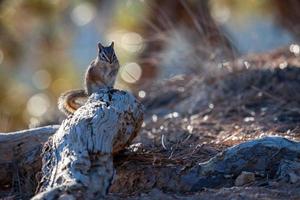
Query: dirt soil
[[189, 119]]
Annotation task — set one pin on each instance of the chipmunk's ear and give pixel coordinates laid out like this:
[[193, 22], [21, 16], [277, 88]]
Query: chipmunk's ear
[[112, 44], [100, 47]]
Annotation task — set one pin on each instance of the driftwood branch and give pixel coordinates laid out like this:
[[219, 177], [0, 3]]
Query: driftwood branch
[[23, 141], [78, 158], [20, 154]]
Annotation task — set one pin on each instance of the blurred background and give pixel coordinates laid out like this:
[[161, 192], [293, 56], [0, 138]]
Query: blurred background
[[46, 46]]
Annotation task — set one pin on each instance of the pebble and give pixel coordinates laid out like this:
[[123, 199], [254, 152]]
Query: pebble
[[244, 178]]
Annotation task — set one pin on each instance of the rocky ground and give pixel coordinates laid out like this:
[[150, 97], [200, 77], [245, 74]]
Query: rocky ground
[[190, 119]]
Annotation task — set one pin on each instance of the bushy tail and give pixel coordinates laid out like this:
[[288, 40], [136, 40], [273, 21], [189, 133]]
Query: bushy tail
[[69, 102]]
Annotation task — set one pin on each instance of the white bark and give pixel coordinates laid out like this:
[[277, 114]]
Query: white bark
[[20, 151], [24, 141]]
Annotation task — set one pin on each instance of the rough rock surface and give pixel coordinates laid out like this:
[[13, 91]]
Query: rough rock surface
[[244, 178], [262, 157]]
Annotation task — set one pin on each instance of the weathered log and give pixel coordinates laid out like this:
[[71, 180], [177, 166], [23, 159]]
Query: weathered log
[[77, 159], [24, 141], [20, 153]]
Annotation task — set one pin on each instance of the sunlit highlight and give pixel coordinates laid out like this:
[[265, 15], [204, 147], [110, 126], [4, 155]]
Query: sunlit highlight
[[132, 42], [83, 14], [41, 79], [142, 94], [131, 72], [294, 48], [38, 105]]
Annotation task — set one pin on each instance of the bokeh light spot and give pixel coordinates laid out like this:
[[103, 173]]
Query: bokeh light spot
[[132, 42], [154, 118], [83, 14], [283, 65], [220, 13], [41, 79], [294, 48], [38, 105], [131, 72], [142, 94]]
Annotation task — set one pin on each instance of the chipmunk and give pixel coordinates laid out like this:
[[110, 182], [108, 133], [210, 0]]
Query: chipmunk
[[101, 73]]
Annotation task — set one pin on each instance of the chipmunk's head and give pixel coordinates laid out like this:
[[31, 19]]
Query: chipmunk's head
[[107, 54]]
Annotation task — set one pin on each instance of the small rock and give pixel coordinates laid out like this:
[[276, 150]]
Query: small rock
[[256, 155], [273, 184], [294, 178], [268, 157], [244, 178], [289, 171], [66, 197]]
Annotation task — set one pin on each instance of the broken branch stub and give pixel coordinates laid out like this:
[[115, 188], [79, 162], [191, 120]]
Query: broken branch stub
[[77, 159]]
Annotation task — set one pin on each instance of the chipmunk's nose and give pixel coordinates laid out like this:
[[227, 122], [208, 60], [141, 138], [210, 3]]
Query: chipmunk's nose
[[110, 60]]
